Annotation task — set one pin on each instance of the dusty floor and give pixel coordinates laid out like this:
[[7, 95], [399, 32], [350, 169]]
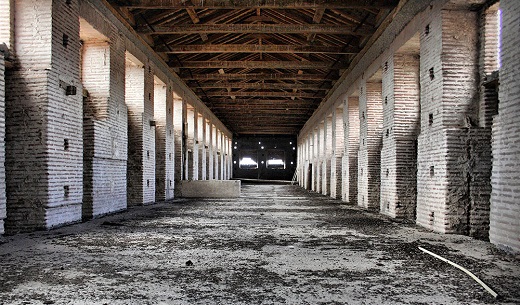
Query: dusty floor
[[277, 244]]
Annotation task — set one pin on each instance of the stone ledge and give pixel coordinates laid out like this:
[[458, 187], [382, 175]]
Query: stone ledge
[[208, 188]]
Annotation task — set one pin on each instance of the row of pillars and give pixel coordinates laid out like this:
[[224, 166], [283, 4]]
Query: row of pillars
[[406, 138]]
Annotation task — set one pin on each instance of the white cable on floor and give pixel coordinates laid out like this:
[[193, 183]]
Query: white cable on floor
[[494, 294]]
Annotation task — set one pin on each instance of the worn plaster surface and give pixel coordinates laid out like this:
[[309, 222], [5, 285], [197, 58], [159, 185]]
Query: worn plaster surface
[[276, 244]]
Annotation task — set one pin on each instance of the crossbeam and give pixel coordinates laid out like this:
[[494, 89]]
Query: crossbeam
[[269, 93], [259, 76], [185, 29], [241, 48], [262, 86], [255, 65]]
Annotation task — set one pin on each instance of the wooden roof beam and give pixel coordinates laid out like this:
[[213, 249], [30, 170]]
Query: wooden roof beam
[[250, 48], [260, 76], [284, 102], [262, 86], [186, 29], [268, 93], [257, 65], [272, 4]]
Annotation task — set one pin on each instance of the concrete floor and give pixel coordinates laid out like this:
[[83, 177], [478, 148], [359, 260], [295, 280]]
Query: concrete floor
[[277, 244]]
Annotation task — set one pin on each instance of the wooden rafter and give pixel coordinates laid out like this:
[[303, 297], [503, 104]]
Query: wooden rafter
[[262, 66], [318, 14]]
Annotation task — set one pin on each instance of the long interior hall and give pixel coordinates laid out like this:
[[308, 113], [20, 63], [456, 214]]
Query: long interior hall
[[259, 152]]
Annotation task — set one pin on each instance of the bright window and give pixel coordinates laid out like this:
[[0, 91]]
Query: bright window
[[276, 159], [248, 159]]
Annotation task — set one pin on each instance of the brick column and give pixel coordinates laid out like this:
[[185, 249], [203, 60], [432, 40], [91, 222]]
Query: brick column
[[190, 144], [202, 148], [337, 153], [505, 198], [400, 129], [211, 155], [141, 140], [104, 125], [163, 104], [44, 118], [209, 162], [326, 155], [369, 156], [178, 130], [220, 154], [316, 159], [2, 145], [349, 160], [453, 152]]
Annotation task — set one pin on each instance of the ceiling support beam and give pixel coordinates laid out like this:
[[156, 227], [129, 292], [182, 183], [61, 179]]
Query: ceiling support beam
[[256, 29], [252, 48], [259, 76], [262, 86], [268, 93], [257, 65], [284, 102]]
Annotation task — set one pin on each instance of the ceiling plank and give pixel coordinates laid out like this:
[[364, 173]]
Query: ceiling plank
[[185, 29], [195, 19], [318, 14], [250, 48], [273, 4], [256, 65]]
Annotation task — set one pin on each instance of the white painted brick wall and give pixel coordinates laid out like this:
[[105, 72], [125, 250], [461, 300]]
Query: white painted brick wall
[[44, 176], [338, 150], [134, 98], [505, 198], [7, 23], [350, 159], [488, 63], [178, 134], [163, 109], [148, 134], [453, 155], [104, 128], [400, 128]]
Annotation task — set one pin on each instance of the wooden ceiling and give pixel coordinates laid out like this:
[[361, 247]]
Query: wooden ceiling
[[262, 66]]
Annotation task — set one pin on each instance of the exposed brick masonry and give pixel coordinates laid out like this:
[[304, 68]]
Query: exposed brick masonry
[[370, 138], [505, 198], [400, 129], [44, 142], [2, 144]]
